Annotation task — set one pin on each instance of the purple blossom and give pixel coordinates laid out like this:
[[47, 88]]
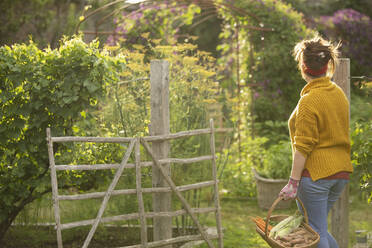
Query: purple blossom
[[355, 30], [110, 40], [261, 2]]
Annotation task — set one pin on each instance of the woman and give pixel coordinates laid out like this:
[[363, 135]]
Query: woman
[[319, 131]]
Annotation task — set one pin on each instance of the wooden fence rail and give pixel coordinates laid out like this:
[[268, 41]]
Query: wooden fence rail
[[142, 164], [162, 243], [134, 191], [135, 216], [141, 215], [178, 135]]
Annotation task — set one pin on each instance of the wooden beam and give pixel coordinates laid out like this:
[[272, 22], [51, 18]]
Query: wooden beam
[[135, 216], [340, 210], [92, 139], [158, 137], [134, 191], [185, 134], [159, 94], [129, 165]]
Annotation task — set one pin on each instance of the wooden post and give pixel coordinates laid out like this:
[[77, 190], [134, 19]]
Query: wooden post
[[216, 196], [159, 79], [340, 210], [53, 175], [141, 208]]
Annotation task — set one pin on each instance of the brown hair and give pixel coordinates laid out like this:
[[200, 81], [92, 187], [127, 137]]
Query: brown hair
[[317, 53]]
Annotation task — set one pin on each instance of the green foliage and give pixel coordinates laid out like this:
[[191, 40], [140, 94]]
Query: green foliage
[[360, 108], [45, 20], [192, 83], [75, 89], [237, 177], [278, 161], [361, 137], [275, 131], [265, 56], [192, 88], [262, 110], [161, 21], [40, 89]]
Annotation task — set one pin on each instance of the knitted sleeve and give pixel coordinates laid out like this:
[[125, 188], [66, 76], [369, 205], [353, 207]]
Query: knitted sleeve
[[306, 134]]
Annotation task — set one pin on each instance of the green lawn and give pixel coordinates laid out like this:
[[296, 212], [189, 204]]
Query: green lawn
[[239, 231]]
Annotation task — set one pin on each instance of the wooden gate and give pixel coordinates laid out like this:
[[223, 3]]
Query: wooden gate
[[134, 146]]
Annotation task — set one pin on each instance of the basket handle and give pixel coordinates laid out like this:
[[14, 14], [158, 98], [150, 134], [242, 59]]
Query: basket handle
[[273, 207]]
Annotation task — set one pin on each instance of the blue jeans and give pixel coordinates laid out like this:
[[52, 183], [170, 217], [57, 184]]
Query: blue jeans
[[318, 198]]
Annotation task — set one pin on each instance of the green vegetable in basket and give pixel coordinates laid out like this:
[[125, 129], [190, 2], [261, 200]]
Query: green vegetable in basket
[[286, 226], [280, 225]]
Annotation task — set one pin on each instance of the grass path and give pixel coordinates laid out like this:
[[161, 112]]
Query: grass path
[[239, 231]]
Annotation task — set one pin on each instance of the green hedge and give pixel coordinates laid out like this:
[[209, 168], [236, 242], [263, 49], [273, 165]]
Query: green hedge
[[40, 89]]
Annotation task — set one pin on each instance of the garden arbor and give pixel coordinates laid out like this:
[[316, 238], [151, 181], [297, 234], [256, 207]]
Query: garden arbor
[[162, 186]]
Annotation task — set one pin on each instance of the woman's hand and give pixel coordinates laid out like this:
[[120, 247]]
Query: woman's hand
[[298, 165], [290, 190]]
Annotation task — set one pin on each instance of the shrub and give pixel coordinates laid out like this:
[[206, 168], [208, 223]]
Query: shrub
[[237, 177], [40, 89], [277, 161], [361, 154]]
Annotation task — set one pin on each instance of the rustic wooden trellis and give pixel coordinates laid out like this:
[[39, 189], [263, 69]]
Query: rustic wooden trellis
[[134, 145]]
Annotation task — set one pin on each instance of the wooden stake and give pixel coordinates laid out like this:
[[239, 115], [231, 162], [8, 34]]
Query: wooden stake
[[216, 196], [53, 175]]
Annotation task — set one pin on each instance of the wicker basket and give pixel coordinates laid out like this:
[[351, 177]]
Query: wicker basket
[[267, 190], [305, 224]]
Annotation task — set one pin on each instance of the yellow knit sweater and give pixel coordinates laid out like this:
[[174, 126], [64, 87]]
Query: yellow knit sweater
[[319, 128]]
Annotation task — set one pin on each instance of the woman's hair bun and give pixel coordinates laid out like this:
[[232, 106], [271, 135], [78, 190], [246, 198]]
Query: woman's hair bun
[[317, 52]]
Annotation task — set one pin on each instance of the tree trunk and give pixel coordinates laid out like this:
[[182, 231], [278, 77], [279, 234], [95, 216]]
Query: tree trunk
[[5, 224]]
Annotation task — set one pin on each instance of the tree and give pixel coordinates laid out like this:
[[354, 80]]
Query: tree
[[40, 89]]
